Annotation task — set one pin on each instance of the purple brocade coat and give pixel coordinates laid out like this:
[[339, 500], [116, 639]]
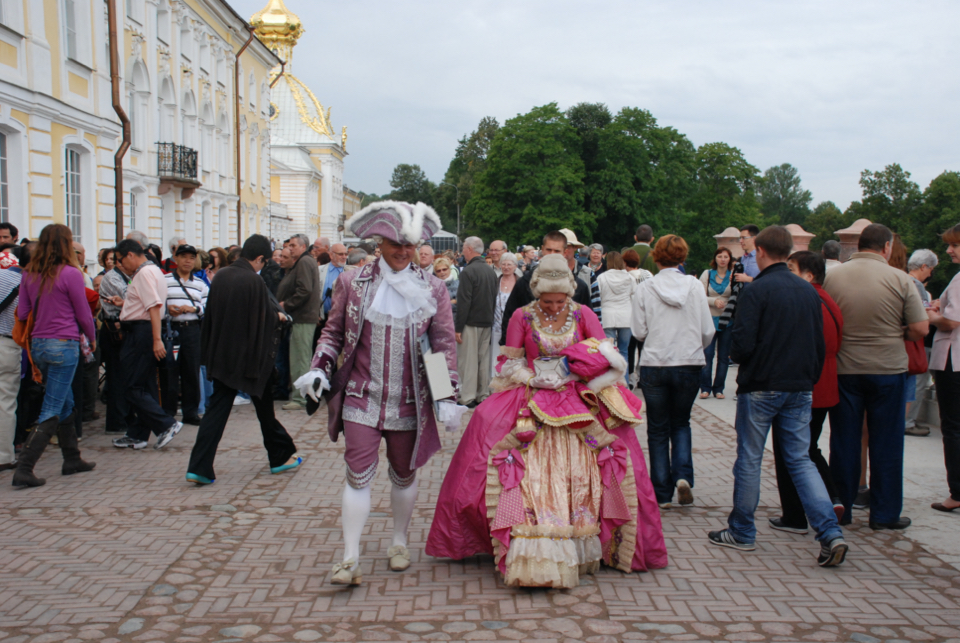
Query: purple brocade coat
[[353, 293]]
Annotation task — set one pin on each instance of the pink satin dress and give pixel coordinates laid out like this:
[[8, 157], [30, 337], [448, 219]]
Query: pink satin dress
[[552, 482]]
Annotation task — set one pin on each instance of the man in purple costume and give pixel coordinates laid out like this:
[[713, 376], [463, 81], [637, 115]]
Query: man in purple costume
[[378, 317]]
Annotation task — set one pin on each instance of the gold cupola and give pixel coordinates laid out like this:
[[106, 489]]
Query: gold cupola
[[278, 28]]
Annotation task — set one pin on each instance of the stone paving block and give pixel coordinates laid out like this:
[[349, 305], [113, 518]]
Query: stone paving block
[[132, 543]]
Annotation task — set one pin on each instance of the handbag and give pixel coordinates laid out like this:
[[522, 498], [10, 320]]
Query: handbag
[[917, 357], [23, 333]]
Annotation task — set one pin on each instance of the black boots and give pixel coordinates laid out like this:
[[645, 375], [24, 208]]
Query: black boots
[[36, 443], [67, 435]]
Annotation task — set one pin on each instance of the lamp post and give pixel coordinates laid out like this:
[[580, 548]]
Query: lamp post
[[458, 205]]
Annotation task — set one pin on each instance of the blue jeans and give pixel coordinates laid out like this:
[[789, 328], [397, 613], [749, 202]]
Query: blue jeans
[[882, 398], [621, 337], [721, 346], [206, 390], [57, 360], [789, 413], [669, 392]]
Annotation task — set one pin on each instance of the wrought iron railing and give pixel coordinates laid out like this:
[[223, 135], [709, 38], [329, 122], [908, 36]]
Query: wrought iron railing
[[176, 161]]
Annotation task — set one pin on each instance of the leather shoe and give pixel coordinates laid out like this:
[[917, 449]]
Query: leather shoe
[[902, 523], [194, 420], [939, 506]]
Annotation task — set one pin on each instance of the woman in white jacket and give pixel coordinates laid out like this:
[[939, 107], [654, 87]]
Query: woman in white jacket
[[671, 317], [616, 293]]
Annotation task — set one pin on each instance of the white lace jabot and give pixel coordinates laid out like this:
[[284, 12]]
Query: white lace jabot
[[402, 294]]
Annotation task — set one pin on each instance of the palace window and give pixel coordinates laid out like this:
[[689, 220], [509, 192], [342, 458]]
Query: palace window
[[133, 212], [70, 25], [72, 177]]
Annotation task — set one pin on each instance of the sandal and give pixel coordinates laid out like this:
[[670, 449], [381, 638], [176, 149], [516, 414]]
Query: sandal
[[720, 396], [704, 396], [347, 573]]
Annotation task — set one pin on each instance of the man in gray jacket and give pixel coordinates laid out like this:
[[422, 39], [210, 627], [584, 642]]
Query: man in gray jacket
[[300, 296], [476, 300]]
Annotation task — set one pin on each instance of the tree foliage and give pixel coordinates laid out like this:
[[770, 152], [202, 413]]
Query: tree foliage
[[782, 199], [410, 184], [532, 182], [469, 161], [824, 221]]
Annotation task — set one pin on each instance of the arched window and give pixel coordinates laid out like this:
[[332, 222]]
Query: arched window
[[206, 141], [189, 120], [138, 88], [168, 111]]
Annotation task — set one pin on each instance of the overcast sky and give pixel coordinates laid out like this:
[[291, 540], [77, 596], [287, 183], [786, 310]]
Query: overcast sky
[[831, 87]]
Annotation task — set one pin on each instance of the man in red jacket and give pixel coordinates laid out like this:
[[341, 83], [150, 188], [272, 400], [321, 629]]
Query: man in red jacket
[[810, 266]]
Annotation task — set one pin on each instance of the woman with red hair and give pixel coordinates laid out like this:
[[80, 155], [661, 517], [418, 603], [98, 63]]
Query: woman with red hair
[[671, 316]]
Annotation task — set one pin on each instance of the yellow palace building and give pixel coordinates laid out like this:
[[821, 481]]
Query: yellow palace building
[[178, 60]]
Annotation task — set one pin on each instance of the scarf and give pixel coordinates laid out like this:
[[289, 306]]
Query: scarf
[[719, 287], [402, 294]]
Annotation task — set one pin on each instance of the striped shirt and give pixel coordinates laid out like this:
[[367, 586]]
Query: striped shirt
[[9, 279], [112, 285], [177, 297]]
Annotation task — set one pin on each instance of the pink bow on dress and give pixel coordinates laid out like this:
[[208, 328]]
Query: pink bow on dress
[[510, 468]]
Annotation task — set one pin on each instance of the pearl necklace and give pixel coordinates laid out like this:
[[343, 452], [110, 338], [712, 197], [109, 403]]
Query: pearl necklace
[[552, 318]]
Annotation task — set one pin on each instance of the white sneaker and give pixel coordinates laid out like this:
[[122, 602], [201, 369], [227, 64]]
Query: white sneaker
[[164, 438], [240, 401]]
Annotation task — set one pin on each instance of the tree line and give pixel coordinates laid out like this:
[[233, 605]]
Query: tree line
[[602, 174]]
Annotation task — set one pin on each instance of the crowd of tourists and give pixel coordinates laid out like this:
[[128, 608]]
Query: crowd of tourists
[[559, 351]]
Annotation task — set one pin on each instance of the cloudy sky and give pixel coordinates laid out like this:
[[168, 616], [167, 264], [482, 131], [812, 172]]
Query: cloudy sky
[[831, 87]]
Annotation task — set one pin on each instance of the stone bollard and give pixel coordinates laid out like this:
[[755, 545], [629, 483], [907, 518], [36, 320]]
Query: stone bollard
[[730, 239], [850, 237], [801, 238]]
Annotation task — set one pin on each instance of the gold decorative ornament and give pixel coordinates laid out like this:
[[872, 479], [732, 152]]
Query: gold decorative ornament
[[278, 28], [343, 138]]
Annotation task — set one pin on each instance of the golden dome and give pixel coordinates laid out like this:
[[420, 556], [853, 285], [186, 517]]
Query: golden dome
[[278, 28]]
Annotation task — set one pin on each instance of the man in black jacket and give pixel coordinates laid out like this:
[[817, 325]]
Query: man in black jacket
[[241, 312], [476, 300], [553, 243], [777, 338]]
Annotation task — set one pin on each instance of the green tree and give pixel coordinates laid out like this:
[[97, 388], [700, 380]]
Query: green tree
[[781, 196], [468, 162], [891, 198], [940, 211], [725, 196], [411, 184], [532, 182], [825, 219], [643, 174]]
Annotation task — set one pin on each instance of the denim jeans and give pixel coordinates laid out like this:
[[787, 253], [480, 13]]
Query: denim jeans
[[669, 392], [721, 346], [621, 337], [206, 390], [57, 360], [789, 413], [882, 398]]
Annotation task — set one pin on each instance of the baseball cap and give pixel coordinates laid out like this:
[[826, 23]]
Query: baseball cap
[[571, 238], [185, 248]]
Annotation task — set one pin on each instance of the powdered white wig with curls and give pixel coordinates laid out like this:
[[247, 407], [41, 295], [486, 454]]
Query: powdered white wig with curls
[[552, 275]]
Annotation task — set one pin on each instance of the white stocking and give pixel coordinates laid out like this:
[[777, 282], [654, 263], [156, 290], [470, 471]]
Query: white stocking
[[402, 502], [354, 513]]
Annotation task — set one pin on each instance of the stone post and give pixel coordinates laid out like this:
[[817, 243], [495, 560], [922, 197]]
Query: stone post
[[850, 237], [801, 238], [730, 239]]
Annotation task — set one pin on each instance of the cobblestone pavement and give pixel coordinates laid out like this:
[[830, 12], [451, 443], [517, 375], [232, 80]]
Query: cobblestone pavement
[[130, 552]]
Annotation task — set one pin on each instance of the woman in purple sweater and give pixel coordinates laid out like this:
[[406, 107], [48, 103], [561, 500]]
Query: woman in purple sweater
[[53, 288]]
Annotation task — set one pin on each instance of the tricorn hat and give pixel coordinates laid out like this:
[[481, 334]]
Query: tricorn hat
[[395, 220]]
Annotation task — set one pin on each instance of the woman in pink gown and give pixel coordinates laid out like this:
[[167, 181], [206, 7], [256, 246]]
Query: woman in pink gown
[[549, 477]]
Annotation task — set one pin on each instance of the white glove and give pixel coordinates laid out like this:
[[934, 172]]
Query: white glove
[[450, 413], [548, 380], [308, 386]]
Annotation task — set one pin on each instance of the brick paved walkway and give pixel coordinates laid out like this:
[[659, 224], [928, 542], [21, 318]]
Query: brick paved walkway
[[131, 552]]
